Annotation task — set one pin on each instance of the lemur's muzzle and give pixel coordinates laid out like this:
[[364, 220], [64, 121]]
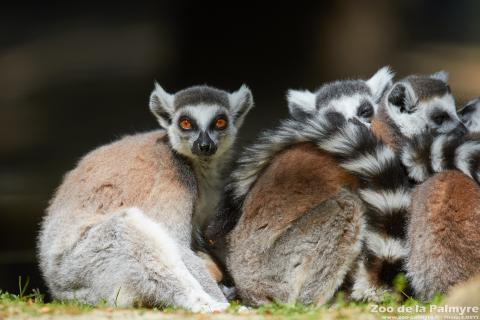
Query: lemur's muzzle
[[460, 130], [204, 145]]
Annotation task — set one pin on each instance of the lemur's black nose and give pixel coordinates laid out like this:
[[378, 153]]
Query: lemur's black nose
[[460, 130], [204, 145]]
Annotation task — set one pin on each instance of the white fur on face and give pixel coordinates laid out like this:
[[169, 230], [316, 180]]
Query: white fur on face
[[411, 124], [348, 107], [203, 115]]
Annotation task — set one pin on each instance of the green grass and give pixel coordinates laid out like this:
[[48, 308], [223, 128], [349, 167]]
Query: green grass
[[31, 304]]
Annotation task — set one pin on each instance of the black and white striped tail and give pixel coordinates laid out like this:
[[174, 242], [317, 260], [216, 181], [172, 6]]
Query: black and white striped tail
[[386, 191], [384, 188], [426, 154]]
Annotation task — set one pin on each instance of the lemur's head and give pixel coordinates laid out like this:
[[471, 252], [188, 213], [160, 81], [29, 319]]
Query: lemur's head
[[470, 115], [419, 103], [350, 98], [201, 121]]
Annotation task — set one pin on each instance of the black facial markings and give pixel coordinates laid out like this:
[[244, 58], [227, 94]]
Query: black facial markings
[[439, 117], [397, 97], [365, 110], [335, 118]]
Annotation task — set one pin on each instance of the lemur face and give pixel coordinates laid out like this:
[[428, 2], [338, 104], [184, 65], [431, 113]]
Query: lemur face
[[419, 103], [470, 115], [202, 122], [352, 99]]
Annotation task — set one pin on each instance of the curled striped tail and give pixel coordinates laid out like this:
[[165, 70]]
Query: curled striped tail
[[386, 191], [427, 154]]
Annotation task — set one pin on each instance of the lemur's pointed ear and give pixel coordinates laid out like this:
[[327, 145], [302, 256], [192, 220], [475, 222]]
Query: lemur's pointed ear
[[440, 75], [380, 82], [402, 98], [241, 101], [301, 104], [161, 105]]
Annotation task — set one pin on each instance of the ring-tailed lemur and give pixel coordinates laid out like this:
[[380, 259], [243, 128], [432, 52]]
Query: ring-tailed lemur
[[442, 247], [445, 213], [300, 225], [413, 105], [386, 189], [120, 226]]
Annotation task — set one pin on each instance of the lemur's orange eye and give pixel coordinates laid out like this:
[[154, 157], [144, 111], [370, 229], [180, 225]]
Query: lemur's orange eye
[[185, 124], [220, 124]]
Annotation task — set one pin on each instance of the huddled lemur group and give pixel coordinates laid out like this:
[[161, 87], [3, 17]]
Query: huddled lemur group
[[364, 180]]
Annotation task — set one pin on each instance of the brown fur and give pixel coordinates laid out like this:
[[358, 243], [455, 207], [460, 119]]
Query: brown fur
[[383, 132], [443, 234], [307, 175], [212, 267], [298, 199]]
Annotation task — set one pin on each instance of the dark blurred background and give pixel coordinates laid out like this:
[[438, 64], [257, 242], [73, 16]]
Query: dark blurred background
[[75, 76]]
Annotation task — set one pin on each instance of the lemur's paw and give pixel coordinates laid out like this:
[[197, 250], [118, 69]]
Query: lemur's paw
[[373, 295], [210, 307]]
